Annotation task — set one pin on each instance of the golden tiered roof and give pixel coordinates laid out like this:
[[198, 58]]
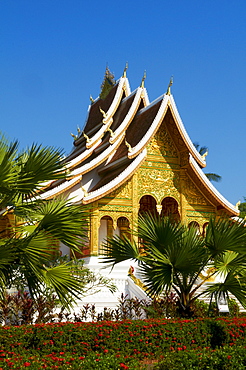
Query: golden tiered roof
[[114, 143]]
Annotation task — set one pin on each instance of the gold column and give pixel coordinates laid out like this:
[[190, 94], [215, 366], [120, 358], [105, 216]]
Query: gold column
[[94, 229], [183, 202], [135, 203]]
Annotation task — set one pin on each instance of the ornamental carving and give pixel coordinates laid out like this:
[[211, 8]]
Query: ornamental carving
[[162, 144], [114, 208], [124, 191], [115, 215], [205, 215], [158, 183], [192, 194], [198, 216]]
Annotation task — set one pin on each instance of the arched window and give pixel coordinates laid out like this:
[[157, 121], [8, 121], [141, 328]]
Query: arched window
[[123, 226], [147, 204], [204, 229], [170, 208], [195, 225], [5, 227], [105, 230]]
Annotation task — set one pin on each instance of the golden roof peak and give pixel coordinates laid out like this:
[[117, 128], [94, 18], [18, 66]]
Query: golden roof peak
[[125, 69], [143, 79], [169, 86]]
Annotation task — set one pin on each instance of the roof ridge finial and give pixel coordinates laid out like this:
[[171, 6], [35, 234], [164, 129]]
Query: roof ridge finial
[[128, 146], [169, 86], [238, 204], [104, 114], [75, 137], [111, 132], [86, 137], [91, 99], [125, 69], [143, 79], [204, 155]]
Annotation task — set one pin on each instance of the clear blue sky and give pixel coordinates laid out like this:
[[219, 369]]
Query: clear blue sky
[[53, 55]]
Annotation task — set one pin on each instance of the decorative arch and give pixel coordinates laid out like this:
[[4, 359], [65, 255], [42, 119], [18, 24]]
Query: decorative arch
[[105, 230], [147, 204], [194, 224], [5, 227], [204, 229], [170, 208], [123, 225]]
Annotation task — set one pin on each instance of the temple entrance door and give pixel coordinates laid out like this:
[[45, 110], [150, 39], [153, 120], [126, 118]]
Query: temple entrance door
[[170, 208], [147, 204]]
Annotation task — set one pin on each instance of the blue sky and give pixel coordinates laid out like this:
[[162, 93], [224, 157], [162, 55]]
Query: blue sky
[[53, 55]]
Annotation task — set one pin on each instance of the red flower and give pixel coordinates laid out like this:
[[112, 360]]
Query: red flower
[[26, 364], [123, 366], [228, 357]]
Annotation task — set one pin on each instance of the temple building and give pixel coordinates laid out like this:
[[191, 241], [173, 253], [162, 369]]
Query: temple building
[[134, 156]]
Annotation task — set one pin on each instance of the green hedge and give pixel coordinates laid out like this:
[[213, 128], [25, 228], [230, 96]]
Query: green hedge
[[115, 345], [231, 358]]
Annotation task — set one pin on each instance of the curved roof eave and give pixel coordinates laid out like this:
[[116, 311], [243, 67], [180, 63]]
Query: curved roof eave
[[60, 188], [117, 181], [123, 85], [153, 127], [129, 116], [184, 134], [98, 160], [211, 189], [81, 157]]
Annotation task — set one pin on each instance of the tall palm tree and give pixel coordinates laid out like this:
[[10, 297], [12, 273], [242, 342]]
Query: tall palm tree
[[174, 257], [203, 150], [32, 228]]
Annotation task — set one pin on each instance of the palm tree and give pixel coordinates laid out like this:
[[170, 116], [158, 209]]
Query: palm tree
[[32, 228], [203, 150], [175, 257]]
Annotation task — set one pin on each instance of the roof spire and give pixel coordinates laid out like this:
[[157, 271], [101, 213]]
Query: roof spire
[[107, 84], [125, 69], [169, 86], [143, 79]]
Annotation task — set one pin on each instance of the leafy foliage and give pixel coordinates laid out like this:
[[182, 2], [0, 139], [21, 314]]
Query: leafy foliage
[[211, 176], [32, 228], [242, 208], [174, 257]]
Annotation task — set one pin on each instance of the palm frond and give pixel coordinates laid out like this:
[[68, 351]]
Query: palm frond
[[213, 177], [63, 282], [118, 249], [158, 231], [225, 235], [233, 285], [157, 278], [63, 221], [46, 159]]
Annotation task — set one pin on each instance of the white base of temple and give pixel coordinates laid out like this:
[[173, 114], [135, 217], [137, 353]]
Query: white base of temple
[[121, 279]]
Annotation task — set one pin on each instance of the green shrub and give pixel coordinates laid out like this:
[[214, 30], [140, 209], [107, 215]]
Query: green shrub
[[227, 358]]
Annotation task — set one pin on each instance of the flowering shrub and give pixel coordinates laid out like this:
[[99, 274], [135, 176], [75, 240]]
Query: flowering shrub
[[118, 345], [231, 358]]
